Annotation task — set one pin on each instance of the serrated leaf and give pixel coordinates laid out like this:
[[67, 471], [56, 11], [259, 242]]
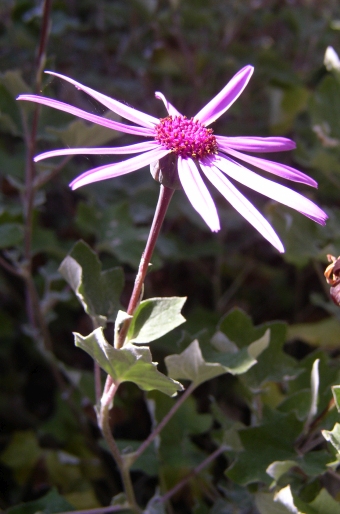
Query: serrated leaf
[[98, 291], [129, 364], [154, 318]]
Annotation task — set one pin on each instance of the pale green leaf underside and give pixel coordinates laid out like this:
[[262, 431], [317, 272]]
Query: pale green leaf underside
[[190, 364]]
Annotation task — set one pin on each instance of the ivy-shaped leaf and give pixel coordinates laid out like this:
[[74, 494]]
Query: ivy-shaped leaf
[[98, 291], [191, 365], [129, 364]]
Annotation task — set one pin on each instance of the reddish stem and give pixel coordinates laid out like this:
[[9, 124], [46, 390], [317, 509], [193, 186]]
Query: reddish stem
[[165, 196]]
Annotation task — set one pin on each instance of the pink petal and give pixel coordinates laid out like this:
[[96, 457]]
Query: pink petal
[[123, 110], [257, 144], [197, 192], [268, 188], [272, 167], [100, 120], [225, 98], [114, 150], [241, 204], [117, 169], [172, 111]]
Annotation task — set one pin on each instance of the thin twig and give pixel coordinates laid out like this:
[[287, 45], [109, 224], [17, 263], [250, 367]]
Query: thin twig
[[8, 267], [100, 510], [162, 424], [193, 473]]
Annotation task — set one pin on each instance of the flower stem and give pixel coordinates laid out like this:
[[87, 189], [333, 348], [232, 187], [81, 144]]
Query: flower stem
[[165, 195], [110, 387]]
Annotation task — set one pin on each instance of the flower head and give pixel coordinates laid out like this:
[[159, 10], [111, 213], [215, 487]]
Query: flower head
[[198, 152]]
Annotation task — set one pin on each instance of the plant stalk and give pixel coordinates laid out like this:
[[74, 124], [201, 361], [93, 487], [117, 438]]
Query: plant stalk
[[165, 195]]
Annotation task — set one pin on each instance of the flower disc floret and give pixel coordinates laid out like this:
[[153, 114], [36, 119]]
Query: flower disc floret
[[186, 137]]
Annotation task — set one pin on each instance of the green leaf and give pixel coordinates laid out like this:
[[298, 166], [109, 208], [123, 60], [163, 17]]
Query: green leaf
[[115, 231], [79, 134], [333, 436], [284, 497], [278, 468], [266, 504], [98, 291], [303, 240], [154, 318], [336, 396], [273, 364], [129, 364], [325, 504], [191, 365], [322, 333], [263, 445], [325, 105], [22, 454], [11, 234], [286, 104], [176, 450], [51, 503], [315, 382], [11, 85]]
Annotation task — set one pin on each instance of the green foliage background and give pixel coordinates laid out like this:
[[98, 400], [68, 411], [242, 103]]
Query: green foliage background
[[51, 455]]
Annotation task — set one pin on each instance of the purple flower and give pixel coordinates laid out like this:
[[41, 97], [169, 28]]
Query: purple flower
[[199, 151]]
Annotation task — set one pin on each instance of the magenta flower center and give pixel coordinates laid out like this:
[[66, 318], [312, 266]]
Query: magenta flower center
[[184, 137]]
